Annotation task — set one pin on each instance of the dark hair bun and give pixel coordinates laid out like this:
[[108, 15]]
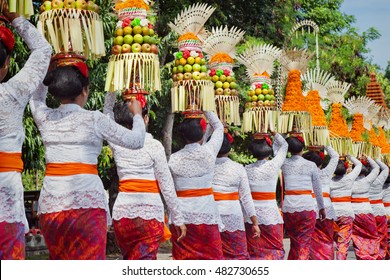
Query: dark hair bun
[[340, 169], [294, 145], [260, 149], [191, 130], [226, 146], [314, 157]]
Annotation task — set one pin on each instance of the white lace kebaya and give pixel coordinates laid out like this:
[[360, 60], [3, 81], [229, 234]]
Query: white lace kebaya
[[73, 134], [15, 94], [376, 190], [263, 177], [148, 163], [361, 188], [326, 175], [341, 186], [192, 168], [301, 175], [230, 177], [386, 199]]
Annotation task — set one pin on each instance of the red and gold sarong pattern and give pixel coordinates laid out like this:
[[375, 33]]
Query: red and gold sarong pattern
[[12, 242], [322, 241], [365, 237]]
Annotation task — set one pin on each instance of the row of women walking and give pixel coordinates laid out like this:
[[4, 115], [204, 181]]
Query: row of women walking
[[217, 209]]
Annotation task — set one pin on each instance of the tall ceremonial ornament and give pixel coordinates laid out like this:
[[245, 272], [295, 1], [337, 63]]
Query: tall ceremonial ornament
[[22, 7], [295, 116], [316, 82], [220, 48], [369, 120], [192, 91], [134, 67], [73, 27], [358, 107], [261, 112], [339, 132]]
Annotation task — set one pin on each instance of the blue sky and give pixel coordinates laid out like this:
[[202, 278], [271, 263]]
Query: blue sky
[[372, 13]]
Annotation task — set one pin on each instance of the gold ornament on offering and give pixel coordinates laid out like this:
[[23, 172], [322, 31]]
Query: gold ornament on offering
[[220, 49], [191, 90]]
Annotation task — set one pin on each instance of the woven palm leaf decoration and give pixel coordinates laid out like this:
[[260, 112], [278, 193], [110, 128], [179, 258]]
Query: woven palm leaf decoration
[[192, 91], [261, 113], [220, 50]]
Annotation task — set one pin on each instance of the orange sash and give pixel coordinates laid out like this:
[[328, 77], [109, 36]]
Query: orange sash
[[386, 204], [341, 199], [263, 195], [166, 233], [226, 196], [70, 168], [11, 162], [298, 192], [377, 201], [139, 185], [360, 200], [324, 194], [195, 193]]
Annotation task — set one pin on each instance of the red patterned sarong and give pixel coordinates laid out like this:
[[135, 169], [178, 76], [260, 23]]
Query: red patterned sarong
[[202, 242], [12, 241], [269, 246], [234, 245], [388, 238], [322, 241], [343, 237], [381, 225], [138, 239], [365, 237], [77, 234], [300, 227]]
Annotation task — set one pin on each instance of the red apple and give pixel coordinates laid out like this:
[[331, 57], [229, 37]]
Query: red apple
[[126, 48], [136, 48], [91, 5], [180, 76], [116, 49], [145, 48], [174, 77], [154, 49]]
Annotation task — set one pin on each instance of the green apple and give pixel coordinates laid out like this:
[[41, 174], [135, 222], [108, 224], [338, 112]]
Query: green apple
[[203, 61], [46, 6], [138, 38], [153, 40], [187, 76], [58, 4], [90, 5], [174, 70], [137, 29], [81, 4], [145, 30], [203, 68], [187, 68], [267, 103], [218, 84], [151, 32], [227, 91], [147, 39], [261, 97], [215, 78], [128, 39], [180, 69], [233, 85], [196, 67], [198, 60], [268, 97], [218, 91], [196, 75], [222, 78], [136, 48], [254, 98], [118, 40]]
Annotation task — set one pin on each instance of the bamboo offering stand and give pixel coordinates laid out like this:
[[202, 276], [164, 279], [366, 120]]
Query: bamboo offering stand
[[22, 7]]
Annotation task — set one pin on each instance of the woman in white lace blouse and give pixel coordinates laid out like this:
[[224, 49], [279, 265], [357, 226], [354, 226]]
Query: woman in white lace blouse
[[263, 176], [364, 231], [231, 186], [138, 211], [301, 178], [340, 193], [73, 205], [15, 94], [192, 169], [378, 209], [386, 203], [322, 238]]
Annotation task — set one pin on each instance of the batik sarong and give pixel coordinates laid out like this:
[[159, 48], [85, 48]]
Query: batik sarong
[[381, 225], [322, 241], [12, 241], [234, 245], [365, 237], [343, 237]]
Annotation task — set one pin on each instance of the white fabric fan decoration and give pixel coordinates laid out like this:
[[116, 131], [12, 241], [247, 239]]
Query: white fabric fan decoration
[[359, 105], [372, 115], [192, 20], [336, 91], [259, 59], [296, 59], [317, 80], [223, 40]]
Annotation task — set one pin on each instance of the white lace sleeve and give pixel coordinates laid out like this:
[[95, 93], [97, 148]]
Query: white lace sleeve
[[38, 104], [351, 177], [380, 180], [207, 134], [165, 181], [280, 148], [244, 192], [34, 71], [370, 178], [317, 187], [111, 131], [109, 103], [215, 142], [334, 160]]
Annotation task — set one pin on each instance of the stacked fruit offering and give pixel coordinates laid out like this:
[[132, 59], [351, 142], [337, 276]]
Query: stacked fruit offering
[[189, 65], [224, 82], [261, 95], [135, 35], [69, 4]]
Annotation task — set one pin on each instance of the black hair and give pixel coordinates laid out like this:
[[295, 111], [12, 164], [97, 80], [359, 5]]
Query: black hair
[[260, 149], [226, 146], [388, 179], [66, 82], [4, 53], [191, 130], [123, 116], [294, 145], [364, 171], [314, 157], [340, 169]]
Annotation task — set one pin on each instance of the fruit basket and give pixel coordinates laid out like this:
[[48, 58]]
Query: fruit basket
[[134, 67], [192, 90], [22, 7], [261, 107], [73, 26], [220, 48]]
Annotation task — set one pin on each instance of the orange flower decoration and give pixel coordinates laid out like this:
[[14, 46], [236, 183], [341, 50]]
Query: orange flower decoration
[[140, 4], [188, 36], [373, 137], [382, 142], [337, 124], [221, 57], [357, 128], [294, 100], [312, 101]]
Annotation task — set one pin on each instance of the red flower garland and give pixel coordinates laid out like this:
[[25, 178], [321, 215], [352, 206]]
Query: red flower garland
[[7, 38], [268, 140], [141, 100], [346, 165], [83, 68], [300, 138], [203, 124], [229, 137], [322, 155]]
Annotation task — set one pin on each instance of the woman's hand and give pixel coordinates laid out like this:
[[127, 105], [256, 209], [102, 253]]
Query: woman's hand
[[183, 232], [135, 107], [256, 231]]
